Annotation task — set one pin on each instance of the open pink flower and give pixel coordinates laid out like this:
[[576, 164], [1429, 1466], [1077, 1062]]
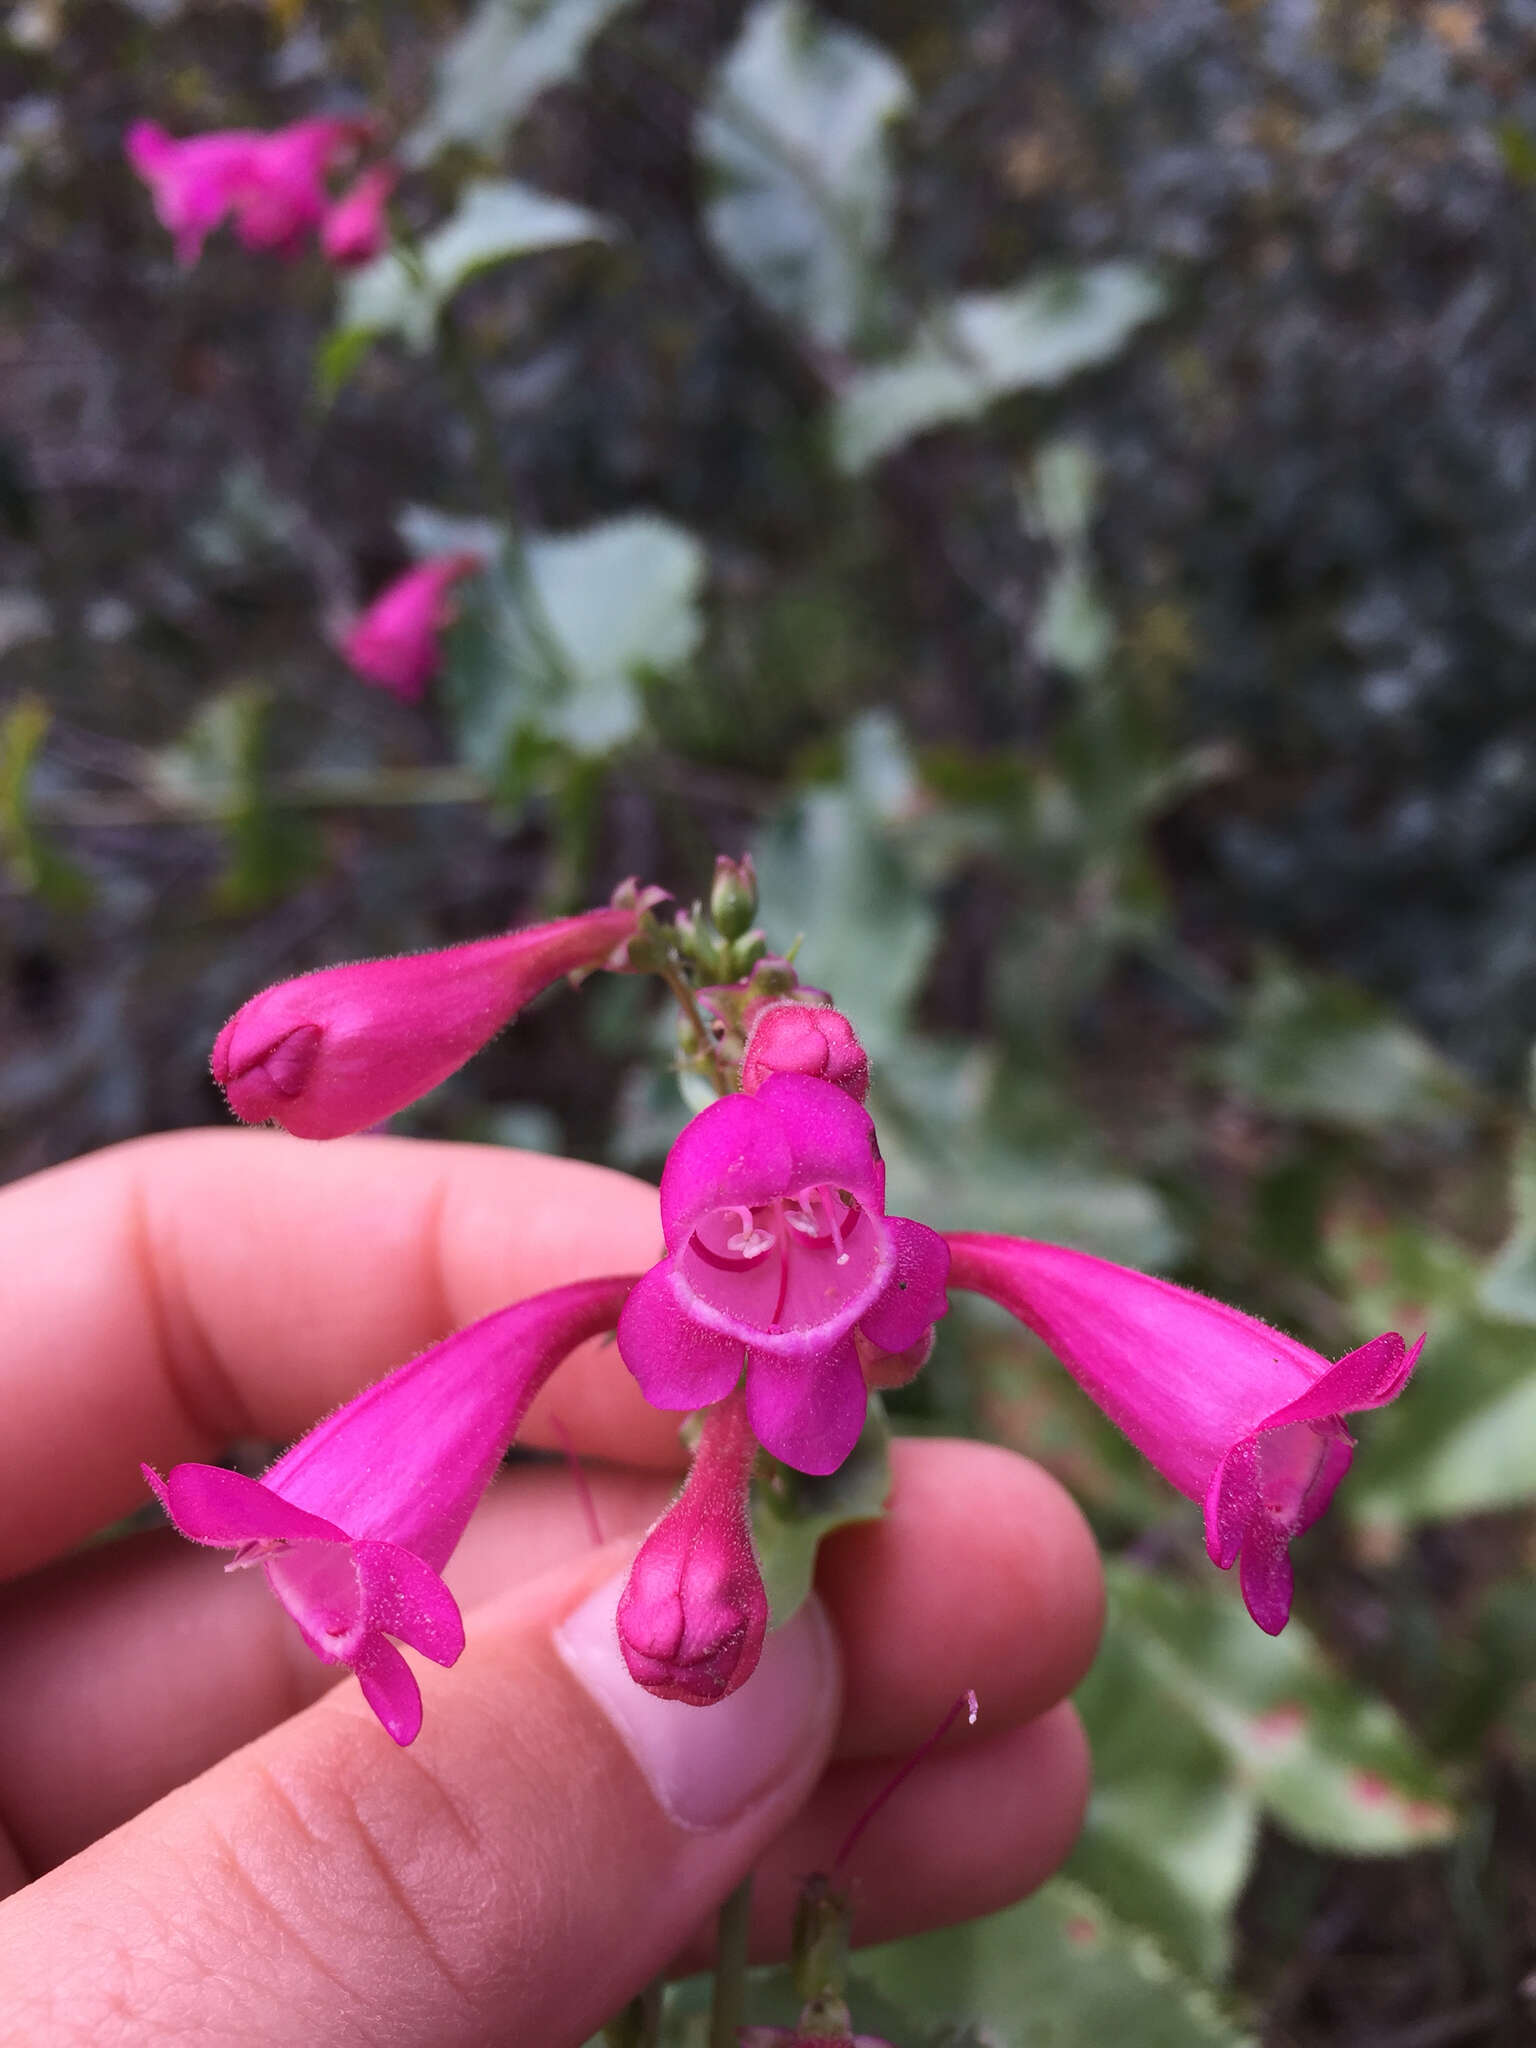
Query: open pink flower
[[354, 1525], [336, 1051], [1234, 1414], [396, 642], [356, 227], [778, 1249], [694, 1612]]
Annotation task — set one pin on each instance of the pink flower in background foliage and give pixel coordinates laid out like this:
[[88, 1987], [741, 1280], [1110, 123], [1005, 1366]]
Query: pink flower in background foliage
[[356, 227], [194, 183], [778, 1248], [284, 196], [798, 1038], [1234, 1414], [693, 1614], [354, 1525], [336, 1051], [396, 642], [272, 184]]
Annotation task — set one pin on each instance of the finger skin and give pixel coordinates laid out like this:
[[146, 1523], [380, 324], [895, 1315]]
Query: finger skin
[[164, 1297], [126, 1671], [509, 1877]]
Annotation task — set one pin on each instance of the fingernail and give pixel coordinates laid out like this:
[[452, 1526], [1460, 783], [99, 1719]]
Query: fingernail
[[708, 1765]]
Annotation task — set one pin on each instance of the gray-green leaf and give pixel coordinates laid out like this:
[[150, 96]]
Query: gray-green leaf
[[793, 137], [980, 347]]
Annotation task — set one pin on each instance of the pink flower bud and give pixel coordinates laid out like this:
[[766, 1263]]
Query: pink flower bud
[[694, 1613], [792, 1038], [335, 1051], [396, 642], [356, 227]]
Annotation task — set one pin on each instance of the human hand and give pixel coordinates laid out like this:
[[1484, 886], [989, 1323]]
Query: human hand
[[204, 1836]]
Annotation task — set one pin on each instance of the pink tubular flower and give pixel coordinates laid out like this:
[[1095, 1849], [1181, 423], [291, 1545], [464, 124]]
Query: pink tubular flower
[[1234, 1414], [284, 193], [336, 1051], [395, 644], [795, 1038], [356, 227], [778, 1248], [354, 1525], [274, 185], [694, 1614], [194, 183]]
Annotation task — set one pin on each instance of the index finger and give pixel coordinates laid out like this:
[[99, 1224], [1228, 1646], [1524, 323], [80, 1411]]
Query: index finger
[[161, 1299]]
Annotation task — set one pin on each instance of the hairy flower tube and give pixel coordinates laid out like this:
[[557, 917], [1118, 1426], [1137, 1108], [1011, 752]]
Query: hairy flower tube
[[354, 1524], [273, 184], [335, 1051], [778, 1249], [1234, 1414], [799, 1038], [356, 226], [694, 1613], [396, 644]]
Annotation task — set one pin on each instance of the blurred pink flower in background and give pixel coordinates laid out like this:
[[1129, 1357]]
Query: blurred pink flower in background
[[356, 227], [396, 644], [273, 185]]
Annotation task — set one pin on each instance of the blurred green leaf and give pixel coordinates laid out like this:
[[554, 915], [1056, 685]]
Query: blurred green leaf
[[1324, 1051], [835, 866], [491, 72], [555, 638], [1171, 1832], [1057, 1971], [1332, 1764], [219, 769], [980, 347], [952, 1162], [792, 1511], [495, 220], [793, 139], [29, 856], [1462, 1438], [1506, 1288]]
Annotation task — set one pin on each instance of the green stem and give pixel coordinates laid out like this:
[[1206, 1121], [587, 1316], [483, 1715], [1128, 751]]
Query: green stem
[[639, 2024], [687, 1001], [496, 485], [728, 2007]]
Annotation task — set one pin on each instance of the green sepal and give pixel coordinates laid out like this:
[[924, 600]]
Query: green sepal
[[792, 1511]]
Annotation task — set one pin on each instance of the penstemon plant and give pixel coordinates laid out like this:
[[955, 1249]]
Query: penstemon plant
[[785, 1297]]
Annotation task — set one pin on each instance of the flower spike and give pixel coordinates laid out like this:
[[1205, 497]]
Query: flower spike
[[354, 1524], [1236, 1415], [338, 1050]]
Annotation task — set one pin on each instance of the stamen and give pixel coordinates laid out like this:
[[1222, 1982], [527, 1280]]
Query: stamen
[[749, 1240], [834, 1222], [803, 1219]]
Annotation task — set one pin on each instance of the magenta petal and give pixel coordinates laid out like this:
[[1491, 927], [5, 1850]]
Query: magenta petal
[[678, 1363], [807, 1412], [210, 1505], [1266, 1578], [831, 1137], [733, 1152], [390, 1688], [404, 1597], [1367, 1378], [915, 1297]]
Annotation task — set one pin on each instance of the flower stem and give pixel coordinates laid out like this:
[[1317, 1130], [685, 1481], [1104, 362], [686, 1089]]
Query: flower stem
[[728, 2006], [639, 2024], [676, 979]]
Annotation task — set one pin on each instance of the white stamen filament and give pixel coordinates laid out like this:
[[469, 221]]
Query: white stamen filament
[[834, 1224], [749, 1240]]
